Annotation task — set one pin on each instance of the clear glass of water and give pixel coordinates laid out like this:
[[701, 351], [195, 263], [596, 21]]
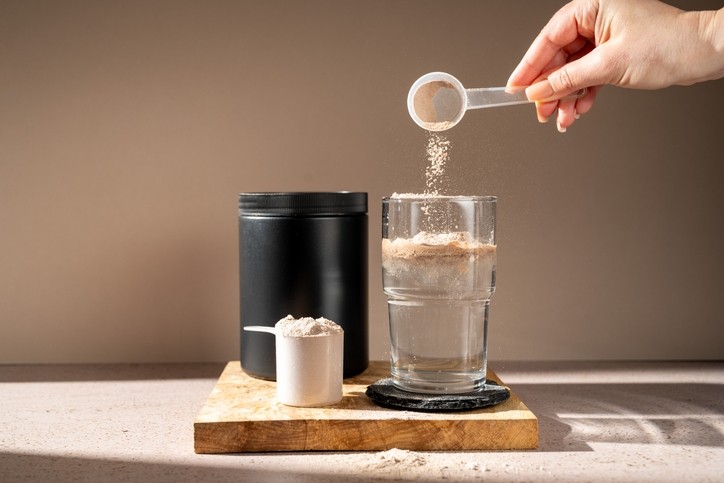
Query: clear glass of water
[[438, 272]]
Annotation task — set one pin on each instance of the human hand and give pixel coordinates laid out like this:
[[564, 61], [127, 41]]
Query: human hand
[[641, 44]]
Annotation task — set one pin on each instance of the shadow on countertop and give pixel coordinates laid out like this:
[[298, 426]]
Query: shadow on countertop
[[108, 372], [571, 416]]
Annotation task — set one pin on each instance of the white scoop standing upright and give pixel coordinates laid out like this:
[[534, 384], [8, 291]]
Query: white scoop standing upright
[[437, 101], [308, 367]]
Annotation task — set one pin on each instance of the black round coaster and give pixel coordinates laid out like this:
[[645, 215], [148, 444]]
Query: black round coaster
[[385, 394]]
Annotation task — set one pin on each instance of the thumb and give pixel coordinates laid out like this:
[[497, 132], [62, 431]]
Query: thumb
[[590, 70]]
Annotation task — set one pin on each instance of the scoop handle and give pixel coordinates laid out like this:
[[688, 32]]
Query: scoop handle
[[497, 96], [261, 328]]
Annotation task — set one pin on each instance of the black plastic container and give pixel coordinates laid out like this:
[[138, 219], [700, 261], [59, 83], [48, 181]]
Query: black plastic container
[[305, 255]]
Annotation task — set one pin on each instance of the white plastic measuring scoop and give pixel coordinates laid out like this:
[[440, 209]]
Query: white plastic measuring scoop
[[309, 368], [437, 101]]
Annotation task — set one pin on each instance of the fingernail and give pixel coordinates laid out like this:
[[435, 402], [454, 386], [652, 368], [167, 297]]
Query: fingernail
[[539, 91], [576, 115], [560, 128], [541, 118]]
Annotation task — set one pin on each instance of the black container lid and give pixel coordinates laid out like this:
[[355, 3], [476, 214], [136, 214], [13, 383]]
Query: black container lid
[[303, 203]]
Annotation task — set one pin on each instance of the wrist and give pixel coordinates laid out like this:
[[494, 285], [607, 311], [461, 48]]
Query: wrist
[[716, 36], [707, 54]]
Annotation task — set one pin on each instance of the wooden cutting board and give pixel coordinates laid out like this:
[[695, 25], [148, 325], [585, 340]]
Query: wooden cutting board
[[243, 415]]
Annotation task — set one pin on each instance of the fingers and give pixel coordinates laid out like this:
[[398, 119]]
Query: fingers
[[564, 58], [592, 69], [569, 109], [572, 51], [566, 113], [556, 85], [545, 110], [541, 91], [567, 27], [585, 103]]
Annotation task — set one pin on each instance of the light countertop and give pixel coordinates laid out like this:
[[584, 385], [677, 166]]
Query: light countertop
[[603, 421]]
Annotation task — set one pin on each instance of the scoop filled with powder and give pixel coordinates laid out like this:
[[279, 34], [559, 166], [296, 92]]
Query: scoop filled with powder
[[309, 360]]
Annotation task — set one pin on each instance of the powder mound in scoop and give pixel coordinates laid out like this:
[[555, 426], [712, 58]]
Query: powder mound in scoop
[[306, 327]]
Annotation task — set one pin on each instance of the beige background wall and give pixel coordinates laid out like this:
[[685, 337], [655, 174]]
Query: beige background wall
[[128, 128]]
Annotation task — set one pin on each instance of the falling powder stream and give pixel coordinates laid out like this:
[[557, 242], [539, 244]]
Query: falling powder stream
[[438, 147]]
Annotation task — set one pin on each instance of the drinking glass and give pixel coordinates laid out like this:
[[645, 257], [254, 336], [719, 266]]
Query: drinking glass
[[438, 273]]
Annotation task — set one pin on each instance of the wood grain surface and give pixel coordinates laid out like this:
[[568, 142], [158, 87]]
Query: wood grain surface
[[243, 415]]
